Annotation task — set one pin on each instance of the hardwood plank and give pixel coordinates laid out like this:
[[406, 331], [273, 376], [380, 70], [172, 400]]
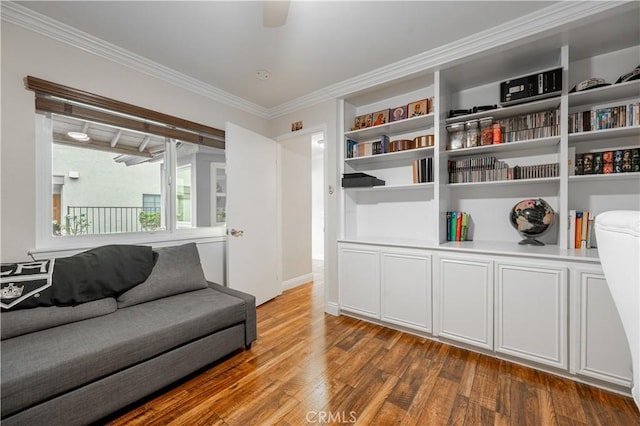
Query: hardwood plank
[[479, 415], [459, 410], [485, 384], [307, 363]]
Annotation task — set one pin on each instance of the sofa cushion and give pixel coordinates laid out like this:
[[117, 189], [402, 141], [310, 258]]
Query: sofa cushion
[[177, 270], [105, 271], [38, 366], [16, 323]]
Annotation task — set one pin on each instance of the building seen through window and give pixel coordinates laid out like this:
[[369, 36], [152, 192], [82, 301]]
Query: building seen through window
[[107, 180]]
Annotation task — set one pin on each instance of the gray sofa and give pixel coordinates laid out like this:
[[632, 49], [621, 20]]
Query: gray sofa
[[77, 364]]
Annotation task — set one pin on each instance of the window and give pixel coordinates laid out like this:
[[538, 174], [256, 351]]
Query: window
[[118, 181], [107, 169], [151, 202]]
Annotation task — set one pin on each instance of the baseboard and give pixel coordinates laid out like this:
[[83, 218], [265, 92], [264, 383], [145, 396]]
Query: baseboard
[[295, 282], [332, 308]]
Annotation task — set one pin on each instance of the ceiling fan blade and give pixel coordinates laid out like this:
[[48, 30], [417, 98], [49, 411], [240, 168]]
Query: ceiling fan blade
[[274, 13]]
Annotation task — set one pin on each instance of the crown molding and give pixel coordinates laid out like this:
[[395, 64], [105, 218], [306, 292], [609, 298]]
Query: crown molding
[[555, 17], [43, 25]]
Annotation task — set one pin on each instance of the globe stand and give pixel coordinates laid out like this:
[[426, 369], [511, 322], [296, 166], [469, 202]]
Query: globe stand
[[530, 241]]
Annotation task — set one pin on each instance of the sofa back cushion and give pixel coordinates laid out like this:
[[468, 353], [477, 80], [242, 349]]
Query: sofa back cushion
[[23, 321], [176, 271]]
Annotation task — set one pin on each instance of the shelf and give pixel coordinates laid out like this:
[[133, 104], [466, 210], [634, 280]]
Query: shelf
[[515, 249], [393, 128], [506, 248], [412, 186], [594, 135], [409, 154], [605, 94], [504, 147], [505, 182], [605, 177], [510, 111]]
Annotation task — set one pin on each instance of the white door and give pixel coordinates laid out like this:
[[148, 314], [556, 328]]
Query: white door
[[252, 225]]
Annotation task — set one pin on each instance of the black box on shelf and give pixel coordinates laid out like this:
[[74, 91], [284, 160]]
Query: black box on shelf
[[531, 88], [360, 180]]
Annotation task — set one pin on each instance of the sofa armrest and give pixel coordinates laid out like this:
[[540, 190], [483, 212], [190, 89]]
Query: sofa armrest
[[251, 328]]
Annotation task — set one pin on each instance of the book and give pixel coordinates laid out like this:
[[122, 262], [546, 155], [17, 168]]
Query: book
[[465, 226], [578, 233], [617, 161], [583, 232], [597, 163], [607, 162], [590, 230], [587, 163], [627, 162], [415, 171], [459, 226], [454, 224], [572, 229], [635, 160], [579, 165], [448, 226]]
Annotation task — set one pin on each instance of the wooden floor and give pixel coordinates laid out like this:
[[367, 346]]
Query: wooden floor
[[311, 368]]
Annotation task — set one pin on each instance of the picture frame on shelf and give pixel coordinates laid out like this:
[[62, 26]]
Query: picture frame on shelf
[[398, 113], [363, 121], [381, 117], [418, 108]]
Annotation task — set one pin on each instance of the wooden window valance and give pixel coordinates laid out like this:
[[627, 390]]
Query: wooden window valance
[[58, 99]]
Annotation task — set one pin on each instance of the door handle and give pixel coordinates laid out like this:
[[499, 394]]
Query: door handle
[[236, 232]]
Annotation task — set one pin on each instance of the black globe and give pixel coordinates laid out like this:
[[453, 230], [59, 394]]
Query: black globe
[[531, 218]]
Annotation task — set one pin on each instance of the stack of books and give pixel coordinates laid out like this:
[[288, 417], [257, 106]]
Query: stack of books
[[458, 226], [531, 126], [581, 231], [605, 162], [605, 118], [423, 170]]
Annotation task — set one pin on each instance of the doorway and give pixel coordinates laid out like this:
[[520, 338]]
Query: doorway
[[301, 168]]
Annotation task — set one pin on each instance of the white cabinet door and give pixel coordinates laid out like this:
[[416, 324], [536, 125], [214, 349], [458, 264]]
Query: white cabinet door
[[359, 279], [531, 318], [465, 293], [602, 348], [406, 288]]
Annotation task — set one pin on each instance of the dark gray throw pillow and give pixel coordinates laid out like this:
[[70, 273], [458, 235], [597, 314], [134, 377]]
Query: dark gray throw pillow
[[177, 270], [106, 271]]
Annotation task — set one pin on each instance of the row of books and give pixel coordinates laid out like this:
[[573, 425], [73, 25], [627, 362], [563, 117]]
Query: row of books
[[490, 169], [536, 125], [423, 170], [606, 162], [458, 226], [364, 149], [605, 118], [581, 231]]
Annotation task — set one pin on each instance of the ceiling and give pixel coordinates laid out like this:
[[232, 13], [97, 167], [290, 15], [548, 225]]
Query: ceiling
[[224, 44]]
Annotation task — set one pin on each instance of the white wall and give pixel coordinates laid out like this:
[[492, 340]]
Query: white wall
[[295, 169], [26, 53]]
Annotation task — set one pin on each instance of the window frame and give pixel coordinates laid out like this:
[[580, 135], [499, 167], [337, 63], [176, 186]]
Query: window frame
[[47, 242]]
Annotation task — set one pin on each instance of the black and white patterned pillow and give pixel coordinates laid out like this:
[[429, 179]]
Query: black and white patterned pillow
[[19, 281]]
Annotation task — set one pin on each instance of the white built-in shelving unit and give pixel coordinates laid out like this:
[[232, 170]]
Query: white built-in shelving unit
[[531, 304]]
